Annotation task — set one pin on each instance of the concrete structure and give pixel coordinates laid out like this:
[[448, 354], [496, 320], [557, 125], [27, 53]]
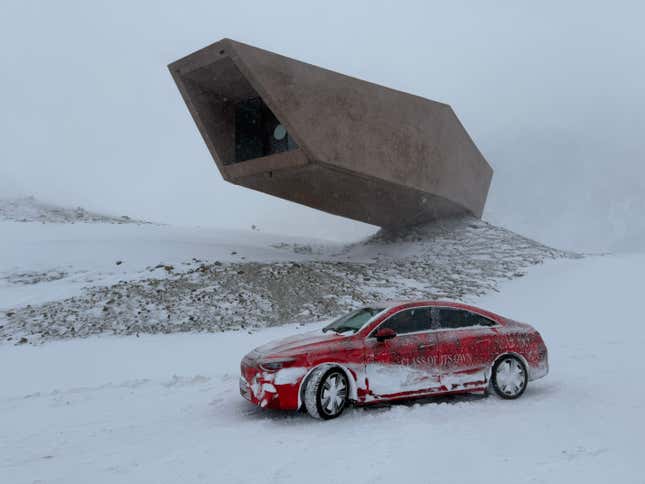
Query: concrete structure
[[329, 141]]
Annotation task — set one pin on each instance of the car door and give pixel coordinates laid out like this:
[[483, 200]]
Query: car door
[[465, 347], [405, 364]]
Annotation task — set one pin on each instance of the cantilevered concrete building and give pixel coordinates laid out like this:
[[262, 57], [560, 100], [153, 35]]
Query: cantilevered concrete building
[[329, 141]]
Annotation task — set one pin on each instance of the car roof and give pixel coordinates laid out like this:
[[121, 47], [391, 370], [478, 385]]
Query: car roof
[[442, 303], [416, 302]]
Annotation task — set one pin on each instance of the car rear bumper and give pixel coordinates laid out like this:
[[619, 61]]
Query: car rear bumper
[[539, 370]]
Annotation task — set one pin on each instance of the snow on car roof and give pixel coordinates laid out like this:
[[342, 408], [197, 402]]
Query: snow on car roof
[[395, 303]]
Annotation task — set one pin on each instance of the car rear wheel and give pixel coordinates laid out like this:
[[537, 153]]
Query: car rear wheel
[[509, 377], [326, 392]]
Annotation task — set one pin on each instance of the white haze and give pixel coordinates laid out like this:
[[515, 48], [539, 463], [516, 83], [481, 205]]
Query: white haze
[[551, 92]]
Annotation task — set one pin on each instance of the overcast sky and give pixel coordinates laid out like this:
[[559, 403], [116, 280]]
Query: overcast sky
[[553, 93]]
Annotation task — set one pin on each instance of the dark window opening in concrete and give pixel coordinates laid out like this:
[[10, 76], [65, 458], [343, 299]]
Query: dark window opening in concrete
[[258, 132]]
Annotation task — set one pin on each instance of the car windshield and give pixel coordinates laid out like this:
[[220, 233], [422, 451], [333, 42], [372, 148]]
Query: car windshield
[[352, 321]]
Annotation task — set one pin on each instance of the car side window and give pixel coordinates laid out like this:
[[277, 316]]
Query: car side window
[[409, 321], [478, 320], [452, 318]]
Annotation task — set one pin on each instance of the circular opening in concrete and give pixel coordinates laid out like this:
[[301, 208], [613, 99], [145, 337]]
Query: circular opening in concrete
[[279, 132]]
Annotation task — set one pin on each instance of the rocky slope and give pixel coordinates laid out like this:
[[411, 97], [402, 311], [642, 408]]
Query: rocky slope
[[457, 259]]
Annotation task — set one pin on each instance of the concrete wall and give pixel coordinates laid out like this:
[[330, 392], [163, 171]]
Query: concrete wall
[[365, 152]]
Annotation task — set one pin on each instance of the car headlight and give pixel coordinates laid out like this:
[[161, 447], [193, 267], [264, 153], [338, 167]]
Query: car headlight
[[276, 364]]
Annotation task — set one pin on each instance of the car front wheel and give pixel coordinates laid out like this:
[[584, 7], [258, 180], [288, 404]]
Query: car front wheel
[[509, 377], [326, 392]]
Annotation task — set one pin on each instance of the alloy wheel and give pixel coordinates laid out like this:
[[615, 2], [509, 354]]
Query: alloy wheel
[[510, 377], [333, 393]]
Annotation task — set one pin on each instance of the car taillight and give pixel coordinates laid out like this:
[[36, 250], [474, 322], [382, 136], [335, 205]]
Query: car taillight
[[542, 351]]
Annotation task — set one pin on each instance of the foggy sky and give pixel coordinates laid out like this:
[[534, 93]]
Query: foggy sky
[[553, 93]]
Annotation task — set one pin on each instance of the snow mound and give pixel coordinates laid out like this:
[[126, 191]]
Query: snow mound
[[29, 209], [458, 259]]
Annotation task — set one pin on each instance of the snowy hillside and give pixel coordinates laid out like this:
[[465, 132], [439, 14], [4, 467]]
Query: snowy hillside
[[166, 408], [41, 262], [29, 209], [71, 280]]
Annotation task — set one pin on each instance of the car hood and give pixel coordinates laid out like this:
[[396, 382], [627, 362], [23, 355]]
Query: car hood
[[298, 344]]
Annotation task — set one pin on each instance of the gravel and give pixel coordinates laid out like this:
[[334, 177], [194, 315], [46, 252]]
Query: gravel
[[457, 259]]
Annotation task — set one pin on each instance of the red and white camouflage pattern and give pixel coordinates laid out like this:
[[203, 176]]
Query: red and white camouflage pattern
[[433, 362]]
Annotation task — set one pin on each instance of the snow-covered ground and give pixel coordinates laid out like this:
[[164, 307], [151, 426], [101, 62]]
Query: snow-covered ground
[[41, 262], [165, 408], [30, 209], [50, 252], [62, 280]]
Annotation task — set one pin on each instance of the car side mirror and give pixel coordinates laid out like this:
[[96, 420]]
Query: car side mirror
[[385, 333]]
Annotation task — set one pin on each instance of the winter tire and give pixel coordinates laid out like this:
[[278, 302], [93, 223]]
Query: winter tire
[[326, 392], [509, 377]]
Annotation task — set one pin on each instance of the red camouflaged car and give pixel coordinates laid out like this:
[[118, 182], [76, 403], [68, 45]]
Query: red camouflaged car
[[395, 351]]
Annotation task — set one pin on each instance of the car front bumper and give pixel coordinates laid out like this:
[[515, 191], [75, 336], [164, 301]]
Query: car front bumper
[[260, 389], [245, 389]]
